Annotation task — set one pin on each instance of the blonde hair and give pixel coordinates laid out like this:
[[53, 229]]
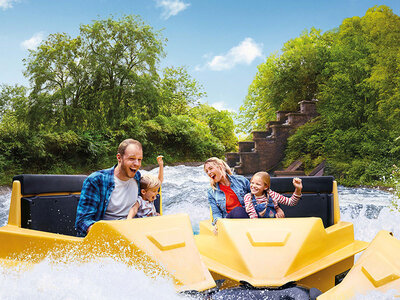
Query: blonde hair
[[265, 178], [219, 164], [149, 182]]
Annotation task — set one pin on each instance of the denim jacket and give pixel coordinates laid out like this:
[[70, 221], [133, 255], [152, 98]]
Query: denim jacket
[[239, 184], [95, 196]]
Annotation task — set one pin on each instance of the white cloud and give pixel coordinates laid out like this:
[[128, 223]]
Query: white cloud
[[244, 53], [5, 4], [33, 42], [221, 106], [171, 7]]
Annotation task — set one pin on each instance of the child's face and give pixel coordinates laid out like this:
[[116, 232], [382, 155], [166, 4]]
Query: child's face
[[257, 186], [149, 195]]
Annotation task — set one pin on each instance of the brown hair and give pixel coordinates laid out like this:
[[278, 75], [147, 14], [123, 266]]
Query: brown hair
[[125, 143], [149, 182], [265, 178], [220, 164]]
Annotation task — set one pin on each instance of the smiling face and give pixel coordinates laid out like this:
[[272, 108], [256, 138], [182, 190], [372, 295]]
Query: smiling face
[[214, 172], [130, 162], [258, 186], [150, 194]]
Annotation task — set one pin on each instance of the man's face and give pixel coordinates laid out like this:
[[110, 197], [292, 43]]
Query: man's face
[[130, 162]]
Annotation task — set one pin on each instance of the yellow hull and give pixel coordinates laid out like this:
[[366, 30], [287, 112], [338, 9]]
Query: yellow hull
[[273, 252], [377, 269]]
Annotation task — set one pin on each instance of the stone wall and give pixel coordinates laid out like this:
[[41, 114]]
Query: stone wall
[[268, 147]]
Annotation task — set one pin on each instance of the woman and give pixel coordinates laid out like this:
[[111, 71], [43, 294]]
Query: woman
[[227, 191]]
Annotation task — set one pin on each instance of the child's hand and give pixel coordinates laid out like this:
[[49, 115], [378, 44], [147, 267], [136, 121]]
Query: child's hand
[[279, 213], [160, 160], [297, 183], [262, 213]]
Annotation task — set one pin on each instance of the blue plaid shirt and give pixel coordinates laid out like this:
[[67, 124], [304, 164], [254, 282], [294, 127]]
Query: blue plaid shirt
[[95, 196]]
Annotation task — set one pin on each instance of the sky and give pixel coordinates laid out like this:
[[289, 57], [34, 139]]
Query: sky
[[220, 42]]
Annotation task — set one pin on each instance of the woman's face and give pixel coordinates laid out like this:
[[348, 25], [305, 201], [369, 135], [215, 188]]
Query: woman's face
[[214, 172]]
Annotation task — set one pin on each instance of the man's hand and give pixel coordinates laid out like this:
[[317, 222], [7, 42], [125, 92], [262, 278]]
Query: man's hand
[[133, 210]]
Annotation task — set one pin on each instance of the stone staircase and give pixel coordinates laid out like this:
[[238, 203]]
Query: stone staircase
[[268, 147]]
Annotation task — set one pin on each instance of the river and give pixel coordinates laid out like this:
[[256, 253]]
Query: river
[[184, 191]]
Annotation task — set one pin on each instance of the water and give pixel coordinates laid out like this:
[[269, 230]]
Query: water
[[184, 191]]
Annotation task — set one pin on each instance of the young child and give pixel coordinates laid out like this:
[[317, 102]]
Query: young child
[[149, 188], [262, 202]]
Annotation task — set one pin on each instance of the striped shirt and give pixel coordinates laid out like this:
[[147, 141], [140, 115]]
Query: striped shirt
[[276, 198]]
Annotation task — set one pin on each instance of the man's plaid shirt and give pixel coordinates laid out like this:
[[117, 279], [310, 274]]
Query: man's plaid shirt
[[95, 196]]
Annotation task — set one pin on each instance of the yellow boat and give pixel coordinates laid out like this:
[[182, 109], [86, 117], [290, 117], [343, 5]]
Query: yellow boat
[[302, 256]]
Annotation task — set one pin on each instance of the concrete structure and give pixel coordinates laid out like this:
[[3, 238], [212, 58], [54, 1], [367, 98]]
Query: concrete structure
[[268, 147]]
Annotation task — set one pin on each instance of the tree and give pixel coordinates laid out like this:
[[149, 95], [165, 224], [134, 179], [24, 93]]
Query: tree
[[286, 79], [179, 91], [98, 78], [220, 123]]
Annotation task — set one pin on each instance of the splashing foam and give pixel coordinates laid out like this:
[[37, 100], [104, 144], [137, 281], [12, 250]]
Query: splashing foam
[[102, 279]]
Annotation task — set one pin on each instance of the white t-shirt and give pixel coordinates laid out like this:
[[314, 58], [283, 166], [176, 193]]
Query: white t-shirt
[[146, 208], [123, 197]]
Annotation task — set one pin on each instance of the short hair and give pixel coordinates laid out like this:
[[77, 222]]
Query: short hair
[[264, 177], [220, 164], [125, 143], [149, 182]]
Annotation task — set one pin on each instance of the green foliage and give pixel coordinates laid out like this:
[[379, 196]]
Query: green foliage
[[220, 124], [179, 92], [98, 78], [285, 79], [181, 138], [354, 73], [394, 180], [88, 93]]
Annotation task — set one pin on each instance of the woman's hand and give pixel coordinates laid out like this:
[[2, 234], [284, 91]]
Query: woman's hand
[[215, 229]]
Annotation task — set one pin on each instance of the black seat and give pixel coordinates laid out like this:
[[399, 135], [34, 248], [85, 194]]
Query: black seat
[[50, 213], [316, 200]]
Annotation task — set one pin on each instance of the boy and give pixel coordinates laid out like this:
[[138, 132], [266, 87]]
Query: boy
[[149, 188]]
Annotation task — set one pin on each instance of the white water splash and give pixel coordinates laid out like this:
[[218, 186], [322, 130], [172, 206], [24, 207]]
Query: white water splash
[[103, 279]]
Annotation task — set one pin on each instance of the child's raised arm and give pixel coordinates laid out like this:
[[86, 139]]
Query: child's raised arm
[[298, 186], [161, 168]]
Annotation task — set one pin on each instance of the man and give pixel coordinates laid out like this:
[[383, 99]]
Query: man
[[109, 194]]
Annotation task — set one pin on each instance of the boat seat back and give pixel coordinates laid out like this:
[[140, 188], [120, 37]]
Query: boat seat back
[[316, 201], [49, 202]]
